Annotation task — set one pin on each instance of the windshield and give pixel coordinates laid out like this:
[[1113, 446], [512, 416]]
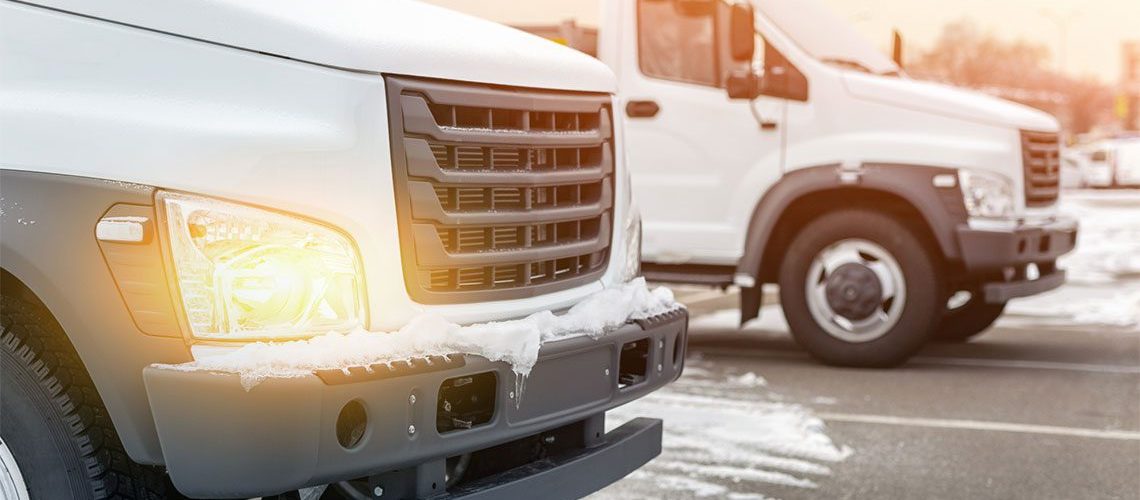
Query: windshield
[[825, 36]]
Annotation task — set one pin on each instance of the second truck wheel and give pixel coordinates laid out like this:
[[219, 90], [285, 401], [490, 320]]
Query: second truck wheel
[[858, 288]]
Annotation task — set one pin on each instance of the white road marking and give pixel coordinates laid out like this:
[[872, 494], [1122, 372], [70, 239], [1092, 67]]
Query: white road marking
[[1031, 364], [938, 360], [980, 425]]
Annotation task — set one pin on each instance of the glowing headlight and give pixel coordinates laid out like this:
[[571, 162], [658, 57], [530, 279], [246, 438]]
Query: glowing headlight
[[245, 273], [986, 194]]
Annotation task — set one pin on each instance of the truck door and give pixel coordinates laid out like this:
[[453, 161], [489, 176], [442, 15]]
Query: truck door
[[699, 159]]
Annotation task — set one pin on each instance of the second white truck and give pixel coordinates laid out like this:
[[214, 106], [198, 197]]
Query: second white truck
[[778, 146]]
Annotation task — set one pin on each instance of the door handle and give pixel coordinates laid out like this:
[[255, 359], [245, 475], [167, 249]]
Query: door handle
[[641, 109]]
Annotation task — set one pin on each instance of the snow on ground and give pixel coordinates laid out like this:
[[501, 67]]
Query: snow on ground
[[726, 436], [1103, 286], [515, 342]]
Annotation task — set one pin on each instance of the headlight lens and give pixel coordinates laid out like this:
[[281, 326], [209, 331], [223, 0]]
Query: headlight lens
[[246, 273], [986, 194]]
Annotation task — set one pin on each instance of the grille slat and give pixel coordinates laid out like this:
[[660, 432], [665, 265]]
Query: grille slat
[[1041, 159], [501, 193]]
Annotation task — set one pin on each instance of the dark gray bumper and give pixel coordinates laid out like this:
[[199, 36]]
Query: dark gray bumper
[[576, 474], [219, 440], [994, 252], [995, 249]]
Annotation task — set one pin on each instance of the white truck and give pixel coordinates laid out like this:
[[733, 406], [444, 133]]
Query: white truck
[[778, 146], [211, 212]]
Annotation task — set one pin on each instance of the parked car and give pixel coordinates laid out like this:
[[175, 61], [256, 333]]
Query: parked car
[[1094, 164], [1125, 161], [182, 179], [781, 147]]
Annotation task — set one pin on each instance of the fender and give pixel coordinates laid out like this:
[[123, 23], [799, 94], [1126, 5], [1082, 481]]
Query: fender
[[941, 208], [48, 222]]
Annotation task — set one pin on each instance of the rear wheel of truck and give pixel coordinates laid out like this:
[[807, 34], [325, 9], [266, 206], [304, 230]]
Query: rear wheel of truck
[[967, 315], [860, 289], [57, 440]]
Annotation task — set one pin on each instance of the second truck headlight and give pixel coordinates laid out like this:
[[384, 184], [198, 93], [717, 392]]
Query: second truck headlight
[[245, 273], [986, 195]]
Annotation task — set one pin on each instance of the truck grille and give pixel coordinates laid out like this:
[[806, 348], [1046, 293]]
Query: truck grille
[[501, 193], [1041, 156]]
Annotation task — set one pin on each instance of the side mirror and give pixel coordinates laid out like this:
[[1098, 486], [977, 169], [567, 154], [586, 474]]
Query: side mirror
[[897, 49], [742, 31], [743, 84]]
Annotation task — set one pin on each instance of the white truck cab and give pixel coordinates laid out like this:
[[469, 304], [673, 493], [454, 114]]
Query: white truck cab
[[189, 187], [769, 143]]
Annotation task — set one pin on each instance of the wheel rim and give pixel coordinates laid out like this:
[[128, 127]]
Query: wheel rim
[[855, 290], [12, 485]]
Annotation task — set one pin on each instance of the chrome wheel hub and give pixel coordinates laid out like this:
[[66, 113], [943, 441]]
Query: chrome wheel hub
[[12, 485], [855, 290]]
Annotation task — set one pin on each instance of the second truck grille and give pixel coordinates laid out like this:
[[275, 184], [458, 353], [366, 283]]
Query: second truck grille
[[501, 193], [1041, 157]]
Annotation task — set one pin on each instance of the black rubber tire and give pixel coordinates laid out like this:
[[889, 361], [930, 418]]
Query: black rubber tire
[[967, 321], [924, 303], [53, 419]]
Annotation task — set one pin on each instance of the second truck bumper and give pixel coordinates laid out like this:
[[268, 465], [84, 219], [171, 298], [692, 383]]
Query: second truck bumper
[[1007, 252]]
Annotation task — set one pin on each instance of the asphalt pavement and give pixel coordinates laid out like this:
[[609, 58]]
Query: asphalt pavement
[[1021, 412]]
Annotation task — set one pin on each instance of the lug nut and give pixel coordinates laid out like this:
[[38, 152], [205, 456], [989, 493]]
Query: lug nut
[[378, 491], [607, 372], [412, 399], [411, 429]]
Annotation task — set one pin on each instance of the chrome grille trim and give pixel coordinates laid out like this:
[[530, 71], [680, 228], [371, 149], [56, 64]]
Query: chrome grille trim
[[1041, 160], [501, 193]]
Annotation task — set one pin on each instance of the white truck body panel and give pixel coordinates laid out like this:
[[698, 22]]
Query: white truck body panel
[[284, 134], [708, 150], [392, 36]]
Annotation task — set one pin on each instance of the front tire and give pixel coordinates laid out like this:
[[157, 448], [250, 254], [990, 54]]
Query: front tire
[[54, 423], [860, 289]]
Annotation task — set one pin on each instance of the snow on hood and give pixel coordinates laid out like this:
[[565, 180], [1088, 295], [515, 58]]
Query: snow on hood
[[948, 101], [383, 36], [515, 342]]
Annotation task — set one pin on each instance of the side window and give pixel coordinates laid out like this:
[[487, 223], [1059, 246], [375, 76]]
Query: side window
[[674, 46]]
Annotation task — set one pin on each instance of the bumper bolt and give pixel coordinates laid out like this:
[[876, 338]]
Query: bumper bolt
[[411, 429]]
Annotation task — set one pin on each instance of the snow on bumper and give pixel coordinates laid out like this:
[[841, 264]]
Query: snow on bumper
[[221, 440]]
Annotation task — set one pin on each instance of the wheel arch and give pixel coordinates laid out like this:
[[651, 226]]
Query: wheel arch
[[907, 191], [49, 252]]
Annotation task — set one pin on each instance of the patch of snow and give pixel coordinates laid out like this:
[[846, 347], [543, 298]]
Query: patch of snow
[[515, 342], [1103, 286], [723, 439], [749, 380]]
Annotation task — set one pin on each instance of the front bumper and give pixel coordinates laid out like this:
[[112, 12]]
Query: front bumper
[[219, 440], [1007, 252]]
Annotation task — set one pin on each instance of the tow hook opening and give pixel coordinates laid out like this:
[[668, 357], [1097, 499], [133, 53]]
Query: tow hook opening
[[466, 402], [633, 365]]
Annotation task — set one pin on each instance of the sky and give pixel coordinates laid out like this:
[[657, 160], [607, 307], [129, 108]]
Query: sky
[[1095, 28]]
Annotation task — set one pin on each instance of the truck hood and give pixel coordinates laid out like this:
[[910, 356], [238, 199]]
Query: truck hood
[[944, 100], [380, 36]]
